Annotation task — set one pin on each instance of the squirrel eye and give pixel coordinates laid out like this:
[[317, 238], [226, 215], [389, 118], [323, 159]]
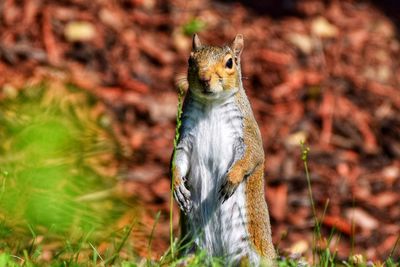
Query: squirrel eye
[[229, 63]]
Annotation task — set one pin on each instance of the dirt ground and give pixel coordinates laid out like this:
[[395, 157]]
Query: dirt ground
[[327, 72]]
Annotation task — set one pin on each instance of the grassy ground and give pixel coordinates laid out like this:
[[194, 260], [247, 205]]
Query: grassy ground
[[57, 169], [58, 161]]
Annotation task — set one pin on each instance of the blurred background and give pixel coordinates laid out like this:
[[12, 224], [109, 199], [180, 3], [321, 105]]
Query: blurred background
[[88, 108]]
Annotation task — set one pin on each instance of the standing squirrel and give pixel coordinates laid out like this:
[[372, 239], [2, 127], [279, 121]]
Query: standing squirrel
[[218, 168]]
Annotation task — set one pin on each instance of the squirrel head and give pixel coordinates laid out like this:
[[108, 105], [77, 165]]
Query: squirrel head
[[214, 72]]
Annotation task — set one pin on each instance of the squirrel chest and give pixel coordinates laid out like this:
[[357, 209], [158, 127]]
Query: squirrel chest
[[216, 131], [215, 134]]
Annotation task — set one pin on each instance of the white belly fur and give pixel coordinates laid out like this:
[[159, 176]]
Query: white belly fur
[[218, 228]]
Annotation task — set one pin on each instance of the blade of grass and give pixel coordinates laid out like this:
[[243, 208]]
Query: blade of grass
[[152, 234], [185, 243], [128, 231], [95, 255], [176, 140], [322, 218], [26, 257], [18, 258], [353, 230], [33, 240], [325, 209], [80, 244], [331, 235], [277, 245], [305, 150], [4, 175], [304, 157], [394, 246]]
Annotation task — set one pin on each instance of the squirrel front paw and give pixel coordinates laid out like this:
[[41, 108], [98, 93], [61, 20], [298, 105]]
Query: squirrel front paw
[[233, 179], [226, 190], [182, 197]]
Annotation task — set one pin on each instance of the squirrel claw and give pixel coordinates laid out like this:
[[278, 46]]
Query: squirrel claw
[[226, 191], [182, 197]]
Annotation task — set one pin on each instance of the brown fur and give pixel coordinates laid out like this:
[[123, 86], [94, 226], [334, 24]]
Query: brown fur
[[176, 177], [252, 166]]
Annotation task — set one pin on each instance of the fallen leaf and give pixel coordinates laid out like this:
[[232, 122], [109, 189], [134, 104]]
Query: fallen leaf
[[391, 173], [79, 31], [277, 200], [361, 218], [137, 138], [275, 57], [299, 247], [385, 199], [302, 42], [146, 173], [111, 18], [321, 27], [294, 139], [388, 244], [338, 223]]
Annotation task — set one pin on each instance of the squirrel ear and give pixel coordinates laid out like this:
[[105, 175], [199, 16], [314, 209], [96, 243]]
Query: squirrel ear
[[196, 42], [237, 45]]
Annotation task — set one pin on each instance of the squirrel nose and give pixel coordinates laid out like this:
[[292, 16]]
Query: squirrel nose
[[205, 81]]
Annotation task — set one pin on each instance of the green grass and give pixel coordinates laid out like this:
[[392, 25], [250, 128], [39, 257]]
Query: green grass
[[57, 152], [51, 155]]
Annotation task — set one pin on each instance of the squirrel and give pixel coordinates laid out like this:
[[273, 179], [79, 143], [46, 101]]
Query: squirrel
[[218, 168]]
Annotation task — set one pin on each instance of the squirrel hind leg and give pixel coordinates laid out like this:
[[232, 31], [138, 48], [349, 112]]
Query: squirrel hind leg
[[187, 244], [244, 262]]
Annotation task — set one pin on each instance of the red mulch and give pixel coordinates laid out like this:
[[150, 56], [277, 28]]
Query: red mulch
[[324, 71]]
